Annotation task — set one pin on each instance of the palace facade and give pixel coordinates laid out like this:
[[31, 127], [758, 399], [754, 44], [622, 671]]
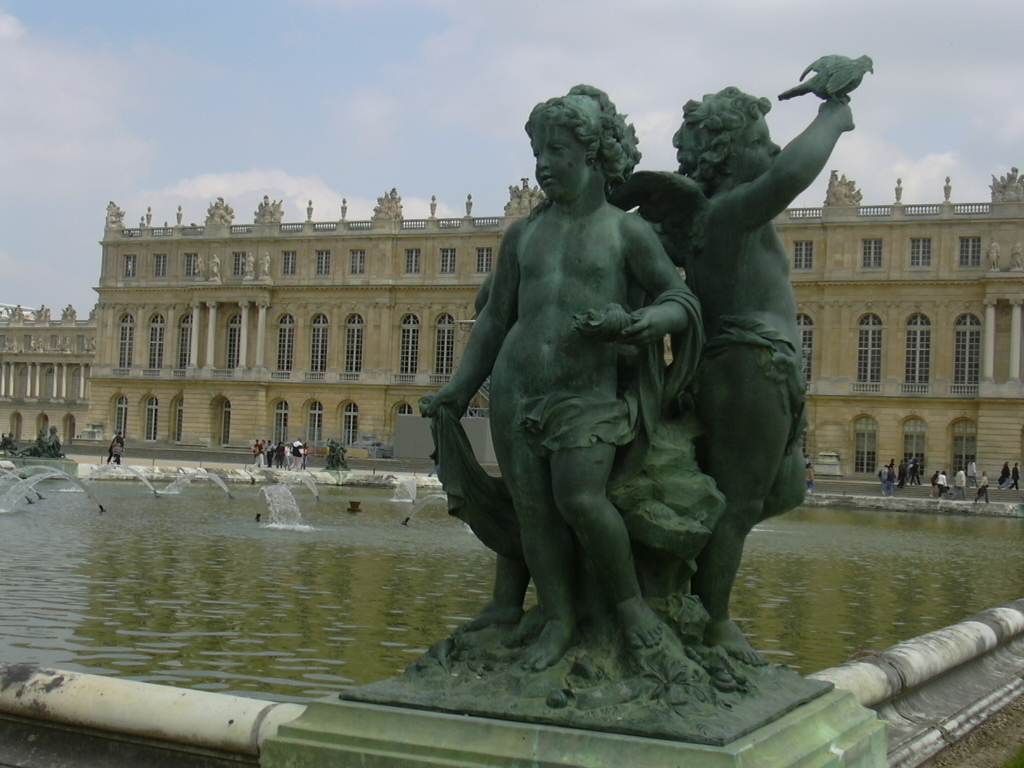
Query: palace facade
[[219, 334]]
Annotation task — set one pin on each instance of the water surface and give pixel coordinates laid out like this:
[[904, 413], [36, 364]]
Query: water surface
[[190, 590]]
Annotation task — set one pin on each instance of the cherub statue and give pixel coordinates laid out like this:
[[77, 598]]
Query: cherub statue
[[717, 215], [336, 455]]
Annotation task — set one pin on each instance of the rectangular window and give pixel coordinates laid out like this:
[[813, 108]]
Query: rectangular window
[[920, 251], [803, 254], [238, 264], [447, 261], [288, 263], [191, 265], [357, 264], [484, 260], [970, 251], [131, 265], [871, 254], [323, 263], [159, 265], [412, 261], [869, 356]]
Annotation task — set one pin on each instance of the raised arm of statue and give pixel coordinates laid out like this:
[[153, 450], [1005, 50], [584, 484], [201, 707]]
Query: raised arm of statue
[[794, 168]]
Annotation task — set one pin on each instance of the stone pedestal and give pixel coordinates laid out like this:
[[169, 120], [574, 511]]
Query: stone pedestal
[[831, 731]]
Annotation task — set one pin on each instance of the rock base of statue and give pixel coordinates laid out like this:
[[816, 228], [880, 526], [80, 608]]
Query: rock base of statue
[[830, 731], [64, 465]]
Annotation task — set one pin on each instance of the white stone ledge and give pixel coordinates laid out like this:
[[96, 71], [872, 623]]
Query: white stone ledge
[[198, 719]]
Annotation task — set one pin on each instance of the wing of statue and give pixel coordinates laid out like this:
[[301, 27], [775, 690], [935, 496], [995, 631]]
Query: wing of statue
[[673, 203]]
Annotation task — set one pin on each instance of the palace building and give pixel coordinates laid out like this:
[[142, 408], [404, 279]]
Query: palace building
[[219, 334]]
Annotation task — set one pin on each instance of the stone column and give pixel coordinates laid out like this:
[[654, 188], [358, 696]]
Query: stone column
[[989, 343], [243, 340], [193, 342], [3, 379], [211, 331], [81, 382], [63, 381], [53, 387], [33, 380], [261, 333], [1015, 341]]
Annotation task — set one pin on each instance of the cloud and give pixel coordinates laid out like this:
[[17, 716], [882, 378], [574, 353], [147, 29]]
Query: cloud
[[62, 129]]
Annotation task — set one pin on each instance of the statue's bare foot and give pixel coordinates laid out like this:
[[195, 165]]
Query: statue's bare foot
[[547, 650], [732, 640], [642, 626], [495, 614]]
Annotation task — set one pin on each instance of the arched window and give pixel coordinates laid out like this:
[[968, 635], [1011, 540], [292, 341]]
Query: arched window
[[315, 429], [126, 349], [865, 452], [967, 351], [178, 426], [225, 422], [185, 342], [318, 344], [285, 343], [354, 344], [121, 415], [152, 417], [409, 352], [915, 434], [156, 342], [234, 340], [350, 424], [281, 422], [444, 347], [869, 350], [965, 444], [919, 350], [806, 326], [404, 409]]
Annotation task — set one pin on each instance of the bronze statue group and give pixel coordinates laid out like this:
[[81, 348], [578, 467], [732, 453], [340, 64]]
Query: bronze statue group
[[630, 479]]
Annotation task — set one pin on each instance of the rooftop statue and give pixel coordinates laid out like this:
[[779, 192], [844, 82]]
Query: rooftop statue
[[842, 191], [268, 212], [601, 502], [1008, 188], [220, 212], [389, 206], [69, 314], [523, 199], [115, 216], [42, 314]]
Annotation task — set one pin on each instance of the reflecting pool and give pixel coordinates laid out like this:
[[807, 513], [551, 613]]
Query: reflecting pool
[[191, 590]]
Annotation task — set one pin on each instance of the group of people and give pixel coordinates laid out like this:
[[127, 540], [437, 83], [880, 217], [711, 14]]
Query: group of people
[[968, 478], [280, 456]]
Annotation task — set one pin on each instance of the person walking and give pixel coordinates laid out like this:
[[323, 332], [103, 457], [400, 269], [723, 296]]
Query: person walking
[[1015, 476], [972, 474], [982, 488], [960, 485], [943, 483], [915, 471], [117, 448], [257, 454], [305, 455], [1004, 476], [279, 454], [901, 475]]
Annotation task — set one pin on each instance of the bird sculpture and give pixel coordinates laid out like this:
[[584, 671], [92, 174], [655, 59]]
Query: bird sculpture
[[836, 77]]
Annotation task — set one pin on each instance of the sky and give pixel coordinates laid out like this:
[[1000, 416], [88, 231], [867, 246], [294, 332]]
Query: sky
[[157, 104]]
